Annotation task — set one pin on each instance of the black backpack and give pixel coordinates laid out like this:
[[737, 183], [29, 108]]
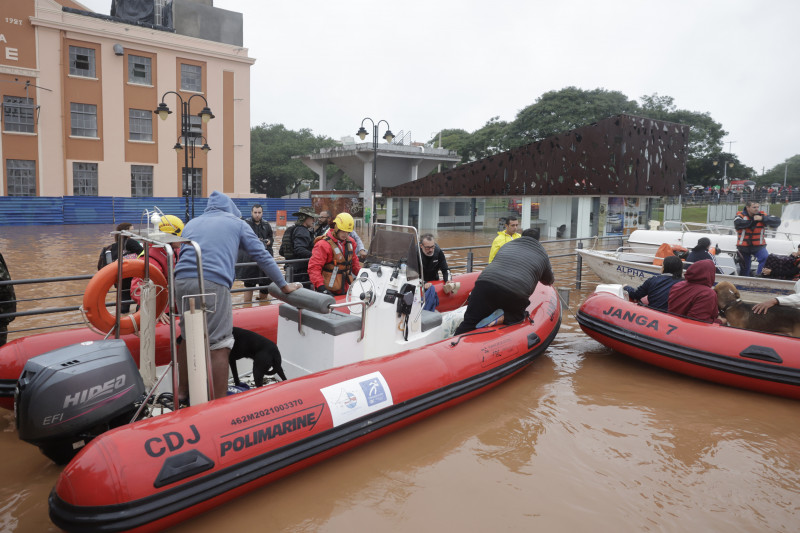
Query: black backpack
[[107, 255], [287, 247]]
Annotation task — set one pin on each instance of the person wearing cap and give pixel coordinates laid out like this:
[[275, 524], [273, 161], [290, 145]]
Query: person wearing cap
[[219, 232], [334, 260], [303, 241]]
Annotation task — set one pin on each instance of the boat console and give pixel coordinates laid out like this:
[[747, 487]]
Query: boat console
[[382, 313]]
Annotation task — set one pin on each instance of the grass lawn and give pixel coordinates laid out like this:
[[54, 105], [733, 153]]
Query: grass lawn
[[699, 213]]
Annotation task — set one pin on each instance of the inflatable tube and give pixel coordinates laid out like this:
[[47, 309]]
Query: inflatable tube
[[764, 362], [261, 319], [94, 299]]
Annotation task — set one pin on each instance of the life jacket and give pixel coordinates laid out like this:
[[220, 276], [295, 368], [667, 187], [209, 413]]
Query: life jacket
[[754, 235], [337, 274]]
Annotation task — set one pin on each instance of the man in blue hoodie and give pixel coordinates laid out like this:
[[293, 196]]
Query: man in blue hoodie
[[220, 232]]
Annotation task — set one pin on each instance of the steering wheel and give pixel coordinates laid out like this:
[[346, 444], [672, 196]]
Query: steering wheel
[[362, 289]]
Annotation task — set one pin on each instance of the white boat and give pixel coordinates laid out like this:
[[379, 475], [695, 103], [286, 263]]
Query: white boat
[[633, 268], [781, 241]]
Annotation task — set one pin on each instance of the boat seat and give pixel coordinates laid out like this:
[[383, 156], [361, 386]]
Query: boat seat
[[430, 320], [333, 323]]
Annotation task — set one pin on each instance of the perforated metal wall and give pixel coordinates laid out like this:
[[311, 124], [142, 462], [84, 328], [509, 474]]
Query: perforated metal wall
[[620, 155]]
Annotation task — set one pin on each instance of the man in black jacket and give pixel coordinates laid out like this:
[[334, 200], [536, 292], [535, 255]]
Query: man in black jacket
[[508, 282], [433, 260], [252, 275]]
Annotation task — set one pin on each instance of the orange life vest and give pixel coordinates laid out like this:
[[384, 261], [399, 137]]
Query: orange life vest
[[336, 274], [754, 235]]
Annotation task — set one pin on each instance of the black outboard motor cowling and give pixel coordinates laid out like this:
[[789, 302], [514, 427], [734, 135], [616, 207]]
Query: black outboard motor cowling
[[66, 397]]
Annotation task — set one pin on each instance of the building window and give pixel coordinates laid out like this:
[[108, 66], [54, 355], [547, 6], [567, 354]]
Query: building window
[[141, 125], [81, 61], [141, 181], [195, 126], [197, 184], [139, 70], [191, 78], [84, 179], [83, 119], [21, 177], [18, 114]]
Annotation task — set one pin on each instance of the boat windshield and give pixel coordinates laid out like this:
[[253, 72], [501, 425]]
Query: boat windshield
[[393, 248]]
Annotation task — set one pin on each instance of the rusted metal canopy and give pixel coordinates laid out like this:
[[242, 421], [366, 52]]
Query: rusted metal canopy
[[622, 155]]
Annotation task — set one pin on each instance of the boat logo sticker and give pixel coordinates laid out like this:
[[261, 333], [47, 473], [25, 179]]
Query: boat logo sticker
[[357, 397]]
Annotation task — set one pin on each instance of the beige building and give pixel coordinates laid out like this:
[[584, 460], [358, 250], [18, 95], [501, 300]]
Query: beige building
[[78, 93]]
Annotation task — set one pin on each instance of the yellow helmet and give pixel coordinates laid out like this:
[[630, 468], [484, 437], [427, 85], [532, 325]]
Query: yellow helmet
[[171, 224], [344, 222]]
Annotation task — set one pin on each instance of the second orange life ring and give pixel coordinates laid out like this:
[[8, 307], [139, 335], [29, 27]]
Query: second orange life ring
[[94, 299]]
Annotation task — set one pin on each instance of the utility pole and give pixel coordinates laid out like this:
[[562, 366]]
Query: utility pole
[[729, 145]]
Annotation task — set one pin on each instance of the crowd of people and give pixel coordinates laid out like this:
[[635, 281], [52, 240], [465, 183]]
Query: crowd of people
[[717, 194]]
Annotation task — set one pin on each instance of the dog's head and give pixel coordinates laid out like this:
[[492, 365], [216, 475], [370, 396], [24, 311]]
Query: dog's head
[[726, 293]]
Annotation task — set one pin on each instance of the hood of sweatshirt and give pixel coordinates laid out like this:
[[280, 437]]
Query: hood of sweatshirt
[[702, 272], [222, 202]]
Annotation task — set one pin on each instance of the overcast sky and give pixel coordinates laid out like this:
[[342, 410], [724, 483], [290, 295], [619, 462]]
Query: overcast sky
[[428, 65]]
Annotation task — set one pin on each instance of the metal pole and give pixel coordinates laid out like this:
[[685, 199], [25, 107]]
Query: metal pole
[[185, 128], [785, 172], [192, 174], [580, 267], [374, 179]]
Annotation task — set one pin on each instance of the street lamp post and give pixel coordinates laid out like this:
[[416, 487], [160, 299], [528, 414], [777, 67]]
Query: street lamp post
[[362, 133], [205, 115], [190, 178], [725, 166]]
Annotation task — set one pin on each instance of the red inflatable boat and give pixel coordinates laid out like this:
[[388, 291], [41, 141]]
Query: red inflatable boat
[[752, 360], [157, 472]]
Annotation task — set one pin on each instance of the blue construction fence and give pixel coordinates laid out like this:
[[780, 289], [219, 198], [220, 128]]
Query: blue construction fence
[[60, 210]]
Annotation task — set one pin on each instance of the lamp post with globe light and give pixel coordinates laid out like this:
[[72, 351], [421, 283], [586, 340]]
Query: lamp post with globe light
[[388, 136], [163, 111]]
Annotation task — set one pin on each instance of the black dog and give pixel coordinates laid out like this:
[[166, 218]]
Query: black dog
[[264, 353]]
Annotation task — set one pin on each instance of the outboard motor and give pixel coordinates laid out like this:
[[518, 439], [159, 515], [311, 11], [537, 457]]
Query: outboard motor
[[69, 396]]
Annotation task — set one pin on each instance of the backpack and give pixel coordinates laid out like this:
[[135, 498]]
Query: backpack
[[287, 247], [106, 257]]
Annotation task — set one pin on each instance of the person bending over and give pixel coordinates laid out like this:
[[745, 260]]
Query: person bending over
[[508, 282]]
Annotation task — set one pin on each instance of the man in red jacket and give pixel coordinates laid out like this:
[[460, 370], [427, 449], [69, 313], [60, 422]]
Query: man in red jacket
[[333, 260], [693, 297]]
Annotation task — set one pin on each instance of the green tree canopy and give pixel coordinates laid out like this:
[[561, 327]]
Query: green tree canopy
[[272, 169], [558, 111]]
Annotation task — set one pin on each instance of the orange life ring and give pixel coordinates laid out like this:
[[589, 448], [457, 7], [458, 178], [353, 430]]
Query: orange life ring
[[94, 299]]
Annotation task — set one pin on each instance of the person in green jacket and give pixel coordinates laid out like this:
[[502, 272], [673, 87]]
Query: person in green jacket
[[508, 234]]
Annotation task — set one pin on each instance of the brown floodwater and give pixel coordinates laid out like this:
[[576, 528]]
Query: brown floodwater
[[584, 439]]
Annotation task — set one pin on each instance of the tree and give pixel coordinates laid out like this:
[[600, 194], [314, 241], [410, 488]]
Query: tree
[[788, 170], [558, 111], [272, 169]]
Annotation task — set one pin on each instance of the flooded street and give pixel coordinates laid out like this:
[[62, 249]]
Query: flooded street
[[584, 439]]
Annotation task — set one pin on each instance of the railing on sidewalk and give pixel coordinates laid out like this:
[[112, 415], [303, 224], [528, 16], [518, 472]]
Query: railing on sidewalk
[[566, 264]]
